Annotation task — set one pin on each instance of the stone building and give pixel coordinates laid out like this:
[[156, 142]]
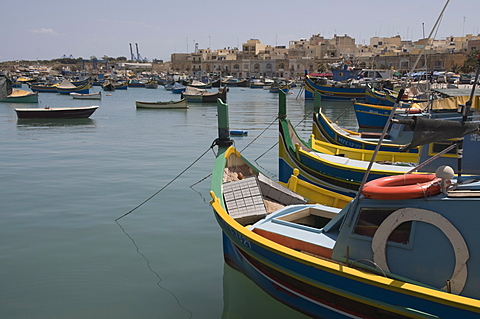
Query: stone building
[[256, 60]]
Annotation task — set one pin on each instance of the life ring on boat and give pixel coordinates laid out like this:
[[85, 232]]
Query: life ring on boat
[[403, 186], [402, 215], [413, 111]]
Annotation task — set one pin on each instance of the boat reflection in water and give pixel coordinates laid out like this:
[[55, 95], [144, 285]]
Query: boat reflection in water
[[243, 299], [29, 124]]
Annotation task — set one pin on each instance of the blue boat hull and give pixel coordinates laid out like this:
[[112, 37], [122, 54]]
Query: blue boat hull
[[332, 93], [320, 292]]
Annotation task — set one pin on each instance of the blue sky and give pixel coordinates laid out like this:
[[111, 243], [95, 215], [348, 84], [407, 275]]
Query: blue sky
[[49, 29]]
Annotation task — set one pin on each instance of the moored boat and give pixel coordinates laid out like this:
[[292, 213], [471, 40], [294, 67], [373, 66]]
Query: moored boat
[[371, 259], [45, 88], [178, 88], [192, 94], [342, 169], [88, 96], [120, 85], [55, 112], [152, 84], [330, 90], [181, 104], [66, 87], [21, 96], [108, 86], [376, 116]]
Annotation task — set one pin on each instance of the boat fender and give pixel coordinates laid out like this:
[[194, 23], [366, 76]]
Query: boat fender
[[414, 111], [403, 186], [402, 215]]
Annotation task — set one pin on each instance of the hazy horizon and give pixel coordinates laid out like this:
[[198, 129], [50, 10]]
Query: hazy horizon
[[51, 29]]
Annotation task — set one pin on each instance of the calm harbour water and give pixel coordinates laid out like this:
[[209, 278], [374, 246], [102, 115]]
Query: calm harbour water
[[63, 184]]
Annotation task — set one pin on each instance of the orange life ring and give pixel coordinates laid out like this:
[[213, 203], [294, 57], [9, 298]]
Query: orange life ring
[[403, 186]]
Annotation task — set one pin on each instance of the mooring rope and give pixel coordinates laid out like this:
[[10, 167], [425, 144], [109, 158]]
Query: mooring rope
[[276, 143], [273, 122], [154, 272], [156, 193]]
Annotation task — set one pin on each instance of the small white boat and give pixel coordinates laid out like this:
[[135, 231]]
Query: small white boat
[[182, 104], [87, 96]]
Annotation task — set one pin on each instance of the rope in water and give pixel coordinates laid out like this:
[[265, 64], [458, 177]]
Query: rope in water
[[155, 194]]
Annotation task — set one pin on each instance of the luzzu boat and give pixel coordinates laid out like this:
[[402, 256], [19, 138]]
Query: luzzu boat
[[325, 129], [66, 87], [333, 91], [43, 88], [376, 116], [342, 169], [388, 97], [386, 256]]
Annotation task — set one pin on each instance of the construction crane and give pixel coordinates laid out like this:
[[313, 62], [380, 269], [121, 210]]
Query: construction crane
[[132, 57], [139, 57]]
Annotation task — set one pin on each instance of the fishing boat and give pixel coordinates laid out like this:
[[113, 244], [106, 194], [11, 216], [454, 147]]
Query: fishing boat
[[373, 258], [21, 96], [89, 96], [178, 88], [181, 104], [44, 88], [55, 112], [212, 97], [326, 130], [120, 85], [257, 84], [277, 86], [342, 169], [376, 116], [66, 87], [229, 81], [152, 84], [388, 97], [192, 94], [108, 86], [134, 83], [200, 85], [333, 90], [81, 82]]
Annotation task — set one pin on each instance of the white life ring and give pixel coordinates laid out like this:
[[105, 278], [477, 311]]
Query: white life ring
[[379, 241]]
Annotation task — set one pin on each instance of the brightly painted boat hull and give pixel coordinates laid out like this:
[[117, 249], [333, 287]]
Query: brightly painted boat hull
[[322, 130], [326, 289], [371, 116], [311, 268], [85, 89], [332, 93]]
